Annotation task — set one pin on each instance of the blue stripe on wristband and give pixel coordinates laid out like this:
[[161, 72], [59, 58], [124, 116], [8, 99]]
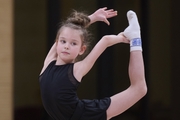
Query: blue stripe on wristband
[[135, 42]]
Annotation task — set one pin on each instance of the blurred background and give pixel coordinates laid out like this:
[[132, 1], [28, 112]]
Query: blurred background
[[28, 29]]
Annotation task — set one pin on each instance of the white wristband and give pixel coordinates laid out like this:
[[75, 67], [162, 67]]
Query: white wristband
[[135, 44]]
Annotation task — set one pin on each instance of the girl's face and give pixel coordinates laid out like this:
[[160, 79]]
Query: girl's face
[[69, 45]]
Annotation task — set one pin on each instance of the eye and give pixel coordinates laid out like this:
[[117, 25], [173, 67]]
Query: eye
[[73, 43], [62, 41]]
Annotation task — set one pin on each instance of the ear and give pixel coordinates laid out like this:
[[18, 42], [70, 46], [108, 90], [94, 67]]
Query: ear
[[82, 50]]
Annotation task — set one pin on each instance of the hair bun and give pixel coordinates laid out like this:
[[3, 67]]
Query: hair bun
[[79, 18]]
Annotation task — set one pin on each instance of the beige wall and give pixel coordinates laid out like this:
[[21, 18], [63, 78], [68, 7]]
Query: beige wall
[[6, 59]]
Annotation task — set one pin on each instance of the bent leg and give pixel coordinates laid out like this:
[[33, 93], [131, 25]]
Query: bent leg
[[124, 100]]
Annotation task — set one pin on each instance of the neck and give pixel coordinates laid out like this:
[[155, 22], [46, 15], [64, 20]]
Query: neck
[[59, 61]]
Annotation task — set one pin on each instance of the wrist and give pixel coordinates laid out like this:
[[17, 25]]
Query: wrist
[[92, 18]]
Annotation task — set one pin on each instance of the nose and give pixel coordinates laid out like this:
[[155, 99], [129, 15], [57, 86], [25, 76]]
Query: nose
[[66, 46]]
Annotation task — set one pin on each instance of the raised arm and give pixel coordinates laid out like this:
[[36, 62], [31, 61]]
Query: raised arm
[[83, 67], [52, 55]]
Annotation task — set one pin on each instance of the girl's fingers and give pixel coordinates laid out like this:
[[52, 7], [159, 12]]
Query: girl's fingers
[[111, 14], [104, 8], [107, 22], [110, 10], [124, 39]]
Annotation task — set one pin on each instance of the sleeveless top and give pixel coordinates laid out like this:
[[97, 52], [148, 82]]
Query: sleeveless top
[[58, 90]]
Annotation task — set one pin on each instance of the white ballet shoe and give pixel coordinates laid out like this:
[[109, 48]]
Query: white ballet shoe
[[133, 30]]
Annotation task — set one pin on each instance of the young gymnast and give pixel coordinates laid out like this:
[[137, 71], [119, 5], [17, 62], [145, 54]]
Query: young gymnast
[[63, 71]]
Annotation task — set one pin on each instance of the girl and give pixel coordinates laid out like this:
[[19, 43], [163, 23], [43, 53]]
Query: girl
[[63, 71]]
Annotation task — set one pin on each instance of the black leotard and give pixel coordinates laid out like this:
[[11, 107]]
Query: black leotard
[[58, 91]]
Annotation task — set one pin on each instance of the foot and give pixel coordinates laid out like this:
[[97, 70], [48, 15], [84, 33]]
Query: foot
[[133, 30]]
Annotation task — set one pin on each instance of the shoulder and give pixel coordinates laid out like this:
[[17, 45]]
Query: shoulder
[[46, 65]]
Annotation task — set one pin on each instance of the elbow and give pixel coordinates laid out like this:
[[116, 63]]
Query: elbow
[[107, 40]]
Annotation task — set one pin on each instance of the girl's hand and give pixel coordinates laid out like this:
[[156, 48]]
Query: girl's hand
[[103, 14], [123, 38]]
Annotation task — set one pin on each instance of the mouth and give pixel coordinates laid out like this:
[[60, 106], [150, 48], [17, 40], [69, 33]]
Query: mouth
[[65, 53]]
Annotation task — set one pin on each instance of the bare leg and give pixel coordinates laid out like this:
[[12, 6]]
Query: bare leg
[[137, 89]]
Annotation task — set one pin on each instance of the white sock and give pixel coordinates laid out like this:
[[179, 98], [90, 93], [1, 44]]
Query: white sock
[[132, 32]]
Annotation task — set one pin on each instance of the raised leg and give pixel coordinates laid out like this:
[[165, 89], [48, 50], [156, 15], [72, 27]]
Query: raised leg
[[137, 89]]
